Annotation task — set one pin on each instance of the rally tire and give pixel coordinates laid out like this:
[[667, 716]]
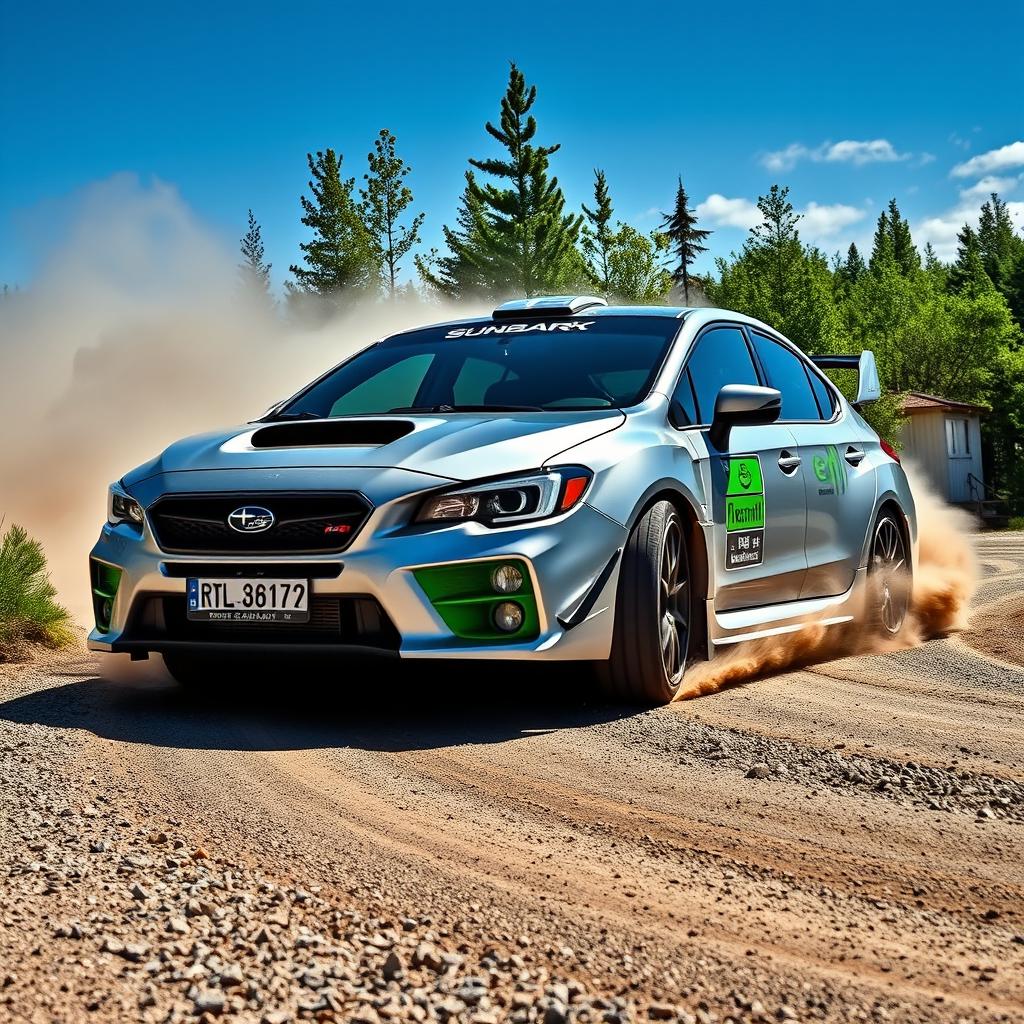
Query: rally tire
[[890, 584], [651, 634]]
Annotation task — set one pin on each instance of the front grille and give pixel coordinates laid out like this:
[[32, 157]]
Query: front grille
[[333, 619], [304, 523]]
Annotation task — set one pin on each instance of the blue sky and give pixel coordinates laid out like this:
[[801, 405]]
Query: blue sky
[[847, 104]]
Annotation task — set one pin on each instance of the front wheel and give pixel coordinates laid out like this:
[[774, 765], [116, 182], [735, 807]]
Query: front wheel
[[651, 635]]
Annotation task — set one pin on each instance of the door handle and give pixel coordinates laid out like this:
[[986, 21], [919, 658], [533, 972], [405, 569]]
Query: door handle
[[854, 456], [788, 462]]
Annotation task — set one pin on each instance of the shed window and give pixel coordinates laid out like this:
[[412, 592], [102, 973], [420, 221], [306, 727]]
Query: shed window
[[958, 439]]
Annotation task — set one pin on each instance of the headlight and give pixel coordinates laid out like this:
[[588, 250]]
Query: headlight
[[511, 499], [123, 509]]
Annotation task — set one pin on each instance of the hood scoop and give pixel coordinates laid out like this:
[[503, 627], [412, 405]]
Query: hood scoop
[[331, 433]]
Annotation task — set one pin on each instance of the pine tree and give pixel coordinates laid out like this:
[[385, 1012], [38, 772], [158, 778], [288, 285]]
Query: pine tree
[[340, 256], [515, 239], [967, 275], [599, 236], [384, 200], [253, 270], [685, 239], [998, 243], [903, 250], [893, 241], [849, 271]]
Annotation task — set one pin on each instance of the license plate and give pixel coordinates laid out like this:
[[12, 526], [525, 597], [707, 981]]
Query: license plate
[[248, 600]]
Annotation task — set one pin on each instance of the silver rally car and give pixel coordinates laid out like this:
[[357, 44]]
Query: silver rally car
[[633, 487]]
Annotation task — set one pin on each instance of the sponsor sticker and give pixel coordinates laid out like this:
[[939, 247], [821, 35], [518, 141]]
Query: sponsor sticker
[[545, 327], [744, 512], [830, 471]]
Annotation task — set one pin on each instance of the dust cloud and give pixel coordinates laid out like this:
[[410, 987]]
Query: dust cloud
[[134, 333], [944, 585]]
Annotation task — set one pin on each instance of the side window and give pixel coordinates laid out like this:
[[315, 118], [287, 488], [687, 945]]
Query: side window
[[721, 357], [786, 373], [391, 388], [684, 397], [826, 400]]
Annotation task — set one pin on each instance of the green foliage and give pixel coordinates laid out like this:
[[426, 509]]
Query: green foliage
[[635, 271], [254, 271], [384, 200], [340, 257], [999, 246], [28, 612], [780, 281], [620, 262], [512, 235], [1016, 523], [685, 240]]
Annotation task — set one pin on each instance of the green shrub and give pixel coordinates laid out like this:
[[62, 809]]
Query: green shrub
[[28, 612], [1016, 523]]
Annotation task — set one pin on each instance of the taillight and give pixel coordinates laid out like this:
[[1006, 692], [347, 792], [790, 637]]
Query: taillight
[[889, 450]]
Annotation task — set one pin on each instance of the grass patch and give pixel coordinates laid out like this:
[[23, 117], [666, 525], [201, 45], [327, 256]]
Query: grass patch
[[28, 612]]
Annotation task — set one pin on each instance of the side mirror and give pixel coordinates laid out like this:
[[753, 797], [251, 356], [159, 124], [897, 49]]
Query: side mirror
[[742, 405], [868, 387]]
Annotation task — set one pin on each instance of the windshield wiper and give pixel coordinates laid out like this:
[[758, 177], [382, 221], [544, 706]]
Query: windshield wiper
[[293, 416], [467, 408]]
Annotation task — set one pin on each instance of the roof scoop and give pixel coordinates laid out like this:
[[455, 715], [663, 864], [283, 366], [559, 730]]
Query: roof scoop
[[369, 433], [547, 305]]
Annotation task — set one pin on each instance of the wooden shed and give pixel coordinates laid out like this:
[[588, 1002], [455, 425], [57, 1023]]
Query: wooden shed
[[944, 439]]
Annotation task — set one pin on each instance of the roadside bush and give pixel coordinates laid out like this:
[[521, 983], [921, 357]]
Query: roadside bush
[[1016, 523], [28, 612]]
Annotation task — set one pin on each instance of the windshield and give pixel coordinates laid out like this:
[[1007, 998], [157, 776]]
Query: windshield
[[575, 363]]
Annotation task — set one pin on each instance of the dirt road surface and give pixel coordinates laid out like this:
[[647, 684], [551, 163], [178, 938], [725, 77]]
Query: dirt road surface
[[843, 842]]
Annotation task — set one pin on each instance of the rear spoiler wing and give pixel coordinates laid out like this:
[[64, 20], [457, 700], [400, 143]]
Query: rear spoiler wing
[[868, 388]]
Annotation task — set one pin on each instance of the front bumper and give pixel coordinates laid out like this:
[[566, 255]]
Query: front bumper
[[572, 562]]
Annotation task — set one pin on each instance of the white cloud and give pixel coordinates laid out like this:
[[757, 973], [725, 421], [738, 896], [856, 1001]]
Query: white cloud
[[991, 183], [822, 223], [818, 222], [784, 159], [853, 151], [942, 229], [874, 151], [721, 212], [1003, 159], [1016, 212]]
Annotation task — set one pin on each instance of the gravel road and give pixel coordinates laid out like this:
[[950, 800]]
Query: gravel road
[[841, 843]]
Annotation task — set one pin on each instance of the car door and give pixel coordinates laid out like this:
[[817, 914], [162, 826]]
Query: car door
[[757, 498], [837, 454]]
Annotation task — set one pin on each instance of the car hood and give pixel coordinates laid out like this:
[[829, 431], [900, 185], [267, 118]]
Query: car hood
[[457, 447]]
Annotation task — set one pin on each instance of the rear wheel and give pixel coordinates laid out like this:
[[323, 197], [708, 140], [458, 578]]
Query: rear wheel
[[651, 638], [889, 576]]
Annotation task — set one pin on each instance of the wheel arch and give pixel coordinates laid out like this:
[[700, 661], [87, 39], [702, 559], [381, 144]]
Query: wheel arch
[[697, 554]]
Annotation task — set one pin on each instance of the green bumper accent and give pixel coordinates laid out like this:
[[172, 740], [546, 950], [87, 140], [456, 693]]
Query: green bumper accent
[[464, 596], [105, 581]]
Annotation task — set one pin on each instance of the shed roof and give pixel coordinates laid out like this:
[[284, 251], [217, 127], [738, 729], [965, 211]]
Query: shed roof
[[918, 401]]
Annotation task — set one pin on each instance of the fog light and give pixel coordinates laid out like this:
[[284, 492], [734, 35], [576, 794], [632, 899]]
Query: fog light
[[508, 616], [506, 579], [107, 610]]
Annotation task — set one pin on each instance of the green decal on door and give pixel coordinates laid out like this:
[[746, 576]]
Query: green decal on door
[[830, 470], [745, 476], [744, 512]]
